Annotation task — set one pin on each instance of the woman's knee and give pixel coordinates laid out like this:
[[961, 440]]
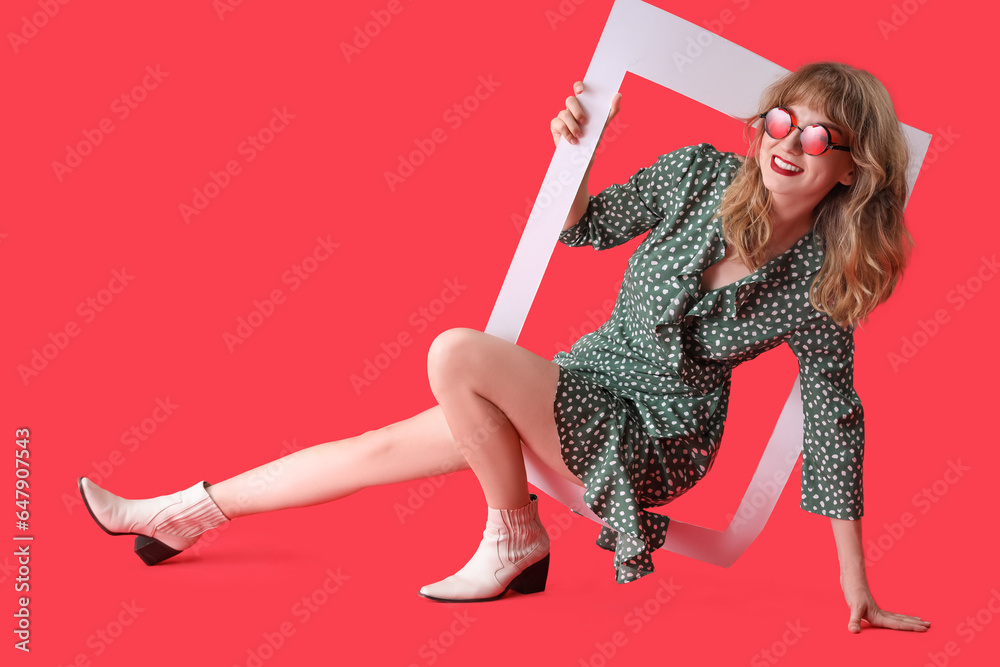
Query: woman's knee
[[449, 353]]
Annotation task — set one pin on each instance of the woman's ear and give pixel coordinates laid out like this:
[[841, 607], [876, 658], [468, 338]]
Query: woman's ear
[[847, 178]]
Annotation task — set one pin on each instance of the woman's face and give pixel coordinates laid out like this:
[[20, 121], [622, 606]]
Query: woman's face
[[817, 174]]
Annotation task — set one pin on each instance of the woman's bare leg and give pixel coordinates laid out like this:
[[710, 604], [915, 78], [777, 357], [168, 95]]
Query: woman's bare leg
[[494, 395], [490, 379], [421, 446]]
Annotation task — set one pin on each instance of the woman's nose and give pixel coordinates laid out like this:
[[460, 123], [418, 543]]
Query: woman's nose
[[790, 142]]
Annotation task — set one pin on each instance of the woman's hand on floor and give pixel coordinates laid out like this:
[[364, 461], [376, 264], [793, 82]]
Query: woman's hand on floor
[[863, 607]]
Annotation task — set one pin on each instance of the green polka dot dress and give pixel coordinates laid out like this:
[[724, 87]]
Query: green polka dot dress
[[641, 401]]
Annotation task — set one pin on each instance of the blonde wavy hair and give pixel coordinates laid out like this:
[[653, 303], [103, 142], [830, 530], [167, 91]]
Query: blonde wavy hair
[[860, 227]]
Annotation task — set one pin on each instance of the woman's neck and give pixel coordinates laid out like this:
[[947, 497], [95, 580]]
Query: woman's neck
[[789, 222]]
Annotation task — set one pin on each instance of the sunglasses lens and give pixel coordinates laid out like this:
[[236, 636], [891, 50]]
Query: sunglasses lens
[[814, 140], [777, 123]]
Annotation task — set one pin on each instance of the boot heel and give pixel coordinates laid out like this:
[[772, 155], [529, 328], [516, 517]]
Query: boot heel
[[532, 580], [153, 551]]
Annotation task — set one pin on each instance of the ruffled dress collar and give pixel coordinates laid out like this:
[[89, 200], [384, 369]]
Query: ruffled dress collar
[[801, 260]]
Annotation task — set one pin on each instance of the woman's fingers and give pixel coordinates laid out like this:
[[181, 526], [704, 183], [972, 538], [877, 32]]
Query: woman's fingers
[[616, 105], [571, 117], [908, 617], [570, 121], [854, 625], [574, 107], [563, 125], [888, 619], [901, 624], [905, 617], [915, 621], [567, 122]]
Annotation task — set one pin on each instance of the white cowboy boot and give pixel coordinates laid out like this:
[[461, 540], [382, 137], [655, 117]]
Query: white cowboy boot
[[164, 526], [514, 554]]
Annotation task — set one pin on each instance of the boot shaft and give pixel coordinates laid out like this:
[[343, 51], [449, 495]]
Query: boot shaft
[[519, 532]]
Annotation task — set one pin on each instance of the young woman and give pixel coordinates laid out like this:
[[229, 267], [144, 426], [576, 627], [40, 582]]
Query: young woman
[[795, 244]]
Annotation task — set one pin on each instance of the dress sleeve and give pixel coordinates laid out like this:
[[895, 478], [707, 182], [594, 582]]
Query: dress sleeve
[[834, 443], [622, 212]]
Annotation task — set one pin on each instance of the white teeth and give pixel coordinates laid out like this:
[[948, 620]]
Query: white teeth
[[785, 165]]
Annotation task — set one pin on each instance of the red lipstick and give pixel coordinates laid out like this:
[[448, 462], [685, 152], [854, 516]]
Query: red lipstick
[[783, 172]]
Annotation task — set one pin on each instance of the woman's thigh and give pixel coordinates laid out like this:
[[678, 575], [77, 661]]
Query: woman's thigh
[[520, 383]]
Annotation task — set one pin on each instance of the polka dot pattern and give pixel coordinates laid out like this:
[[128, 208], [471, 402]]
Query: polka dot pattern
[[641, 402]]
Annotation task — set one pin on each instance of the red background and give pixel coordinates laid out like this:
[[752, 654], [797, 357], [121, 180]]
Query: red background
[[456, 217]]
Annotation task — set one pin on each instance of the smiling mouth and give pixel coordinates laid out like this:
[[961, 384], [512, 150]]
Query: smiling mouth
[[776, 165]]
